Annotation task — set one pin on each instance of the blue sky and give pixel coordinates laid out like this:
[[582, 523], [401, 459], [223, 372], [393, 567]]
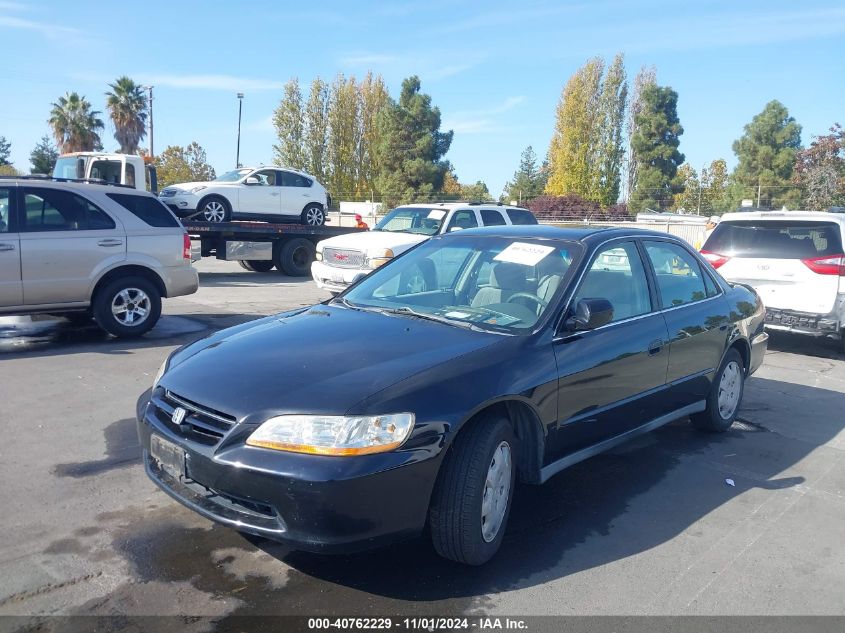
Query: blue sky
[[494, 68]]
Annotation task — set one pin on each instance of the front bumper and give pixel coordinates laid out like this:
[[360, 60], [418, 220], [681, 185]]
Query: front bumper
[[182, 206], [335, 279], [313, 503]]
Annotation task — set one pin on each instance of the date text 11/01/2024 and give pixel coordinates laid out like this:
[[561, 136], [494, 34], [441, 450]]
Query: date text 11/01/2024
[[418, 624]]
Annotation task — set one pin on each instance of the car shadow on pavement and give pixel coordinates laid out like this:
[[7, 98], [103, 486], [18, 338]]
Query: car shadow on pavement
[[805, 345], [608, 508], [246, 278]]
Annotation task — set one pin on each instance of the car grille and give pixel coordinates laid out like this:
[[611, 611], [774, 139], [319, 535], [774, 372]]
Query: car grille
[[343, 258], [200, 424], [167, 193]]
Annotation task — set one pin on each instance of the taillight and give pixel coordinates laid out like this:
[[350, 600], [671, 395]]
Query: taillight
[[715, 259], [186, 246], [834, 265]]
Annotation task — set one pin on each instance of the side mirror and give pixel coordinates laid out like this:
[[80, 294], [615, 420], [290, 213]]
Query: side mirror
[[590, 314], [252, 180]]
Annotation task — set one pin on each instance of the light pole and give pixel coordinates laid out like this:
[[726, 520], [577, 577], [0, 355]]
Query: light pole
[[150, 88], [240, 110]]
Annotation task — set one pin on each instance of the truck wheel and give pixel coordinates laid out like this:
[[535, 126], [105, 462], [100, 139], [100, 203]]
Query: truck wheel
[[725, 396], [294, 257], [472, 500], [313, 215], [215, 209], [127, 306], [256, 265]]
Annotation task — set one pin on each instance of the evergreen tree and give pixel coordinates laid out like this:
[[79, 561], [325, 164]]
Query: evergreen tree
[[766, 153], [655, 142], [43, 157], [646, 77], [411, 147], [288, 122], [5, 151], [528, 181]]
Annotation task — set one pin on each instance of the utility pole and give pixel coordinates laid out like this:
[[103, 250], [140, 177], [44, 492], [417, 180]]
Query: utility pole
[[700, 187], [152, 150], [758, 193], [240, 110]]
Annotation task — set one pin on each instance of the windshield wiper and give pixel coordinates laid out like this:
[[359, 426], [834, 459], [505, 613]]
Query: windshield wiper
[[346, 303], [431, 317]]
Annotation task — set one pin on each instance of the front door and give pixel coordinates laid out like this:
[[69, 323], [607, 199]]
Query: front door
[[611, 379], [264, 198], [11, 289], [65, 241]]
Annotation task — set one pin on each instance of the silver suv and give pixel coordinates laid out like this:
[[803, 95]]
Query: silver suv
[[90, 250]]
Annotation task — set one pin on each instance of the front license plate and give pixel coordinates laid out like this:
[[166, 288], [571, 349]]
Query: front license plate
[[169, 457], [337, 277]]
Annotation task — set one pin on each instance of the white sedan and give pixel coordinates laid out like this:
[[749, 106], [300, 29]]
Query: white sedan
[[260, 193]]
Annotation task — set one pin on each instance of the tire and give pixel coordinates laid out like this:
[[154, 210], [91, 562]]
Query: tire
[[313, 215], [214, 209], [256, 265], [458, 530], [718, 418], [136, 292], [293, 257]]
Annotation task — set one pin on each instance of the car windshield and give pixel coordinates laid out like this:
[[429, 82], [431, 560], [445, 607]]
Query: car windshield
[[425, 221], [480, 282], [232, 176]]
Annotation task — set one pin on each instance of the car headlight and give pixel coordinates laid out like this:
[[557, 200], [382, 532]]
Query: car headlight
[[318, 256], [160, 372], [379, 258], [334, 434], [195, 189]]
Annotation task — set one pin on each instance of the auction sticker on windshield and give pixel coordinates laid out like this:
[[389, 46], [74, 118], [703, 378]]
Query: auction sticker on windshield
[[524, 253], [436, 214]]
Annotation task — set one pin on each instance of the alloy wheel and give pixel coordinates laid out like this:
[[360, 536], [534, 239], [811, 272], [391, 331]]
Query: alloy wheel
[[130, 307], [214, 211]]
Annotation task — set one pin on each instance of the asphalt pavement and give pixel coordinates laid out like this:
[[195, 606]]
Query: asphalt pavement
[[652, 527]]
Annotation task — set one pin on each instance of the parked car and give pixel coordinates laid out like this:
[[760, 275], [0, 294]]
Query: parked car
[[343, 259], [107, 251], [261, 193], [795, 260], [409, 409]]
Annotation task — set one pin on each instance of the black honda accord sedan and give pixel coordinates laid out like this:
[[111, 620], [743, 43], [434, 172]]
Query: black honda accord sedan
[[419, 395]]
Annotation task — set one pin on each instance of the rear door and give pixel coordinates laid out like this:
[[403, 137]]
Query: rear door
[[788, 262], [296, 193], [11, 288], [65, 240]]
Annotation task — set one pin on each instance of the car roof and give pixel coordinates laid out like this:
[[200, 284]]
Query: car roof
[[72, 184], [584, 233], [451, 206], [739, 216], [282, 167]]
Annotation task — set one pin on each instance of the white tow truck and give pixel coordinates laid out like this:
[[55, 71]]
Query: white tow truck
[[123, 169]]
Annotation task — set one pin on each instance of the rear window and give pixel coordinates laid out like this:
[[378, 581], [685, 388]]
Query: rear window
[[521, 216], [775, 239], [146, 208]]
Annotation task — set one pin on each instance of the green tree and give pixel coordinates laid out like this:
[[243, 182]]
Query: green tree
[[655, 143], [528, 181], [646, 77], [288, 120], [316, 129], [451, 187], [716, 188], [43, 156], [570, 150], [344, 137], [608, 147], [5, 151], [373, 98], [8, 170], [127, 107], [689, 188], [820, 170], [410, 147], [766, 153], [183, 164], [76, 126], [476, 193]]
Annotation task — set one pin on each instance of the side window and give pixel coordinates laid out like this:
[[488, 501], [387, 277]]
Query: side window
[[5, 209], [521, 216], [618, 275], [679, 277], [294, 180], [709, 284], [491, 217], [266, 176], [147, 208], [463, 219], [130, 174], [56, 210]]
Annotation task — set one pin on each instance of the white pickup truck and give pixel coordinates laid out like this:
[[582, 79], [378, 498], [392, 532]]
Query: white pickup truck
[[343, 259], [121, 169]]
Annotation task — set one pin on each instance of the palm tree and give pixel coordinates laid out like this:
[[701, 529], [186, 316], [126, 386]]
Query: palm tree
[[75, 125], [128, 110]]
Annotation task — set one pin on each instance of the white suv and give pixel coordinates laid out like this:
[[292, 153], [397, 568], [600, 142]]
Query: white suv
[[343, 259], [90, 250], [795, 260], [261, 193]]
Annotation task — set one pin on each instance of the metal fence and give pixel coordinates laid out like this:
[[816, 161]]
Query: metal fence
[[692, 233]]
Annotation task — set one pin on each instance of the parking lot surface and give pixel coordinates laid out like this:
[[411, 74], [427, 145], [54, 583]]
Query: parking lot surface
[[652, 527]]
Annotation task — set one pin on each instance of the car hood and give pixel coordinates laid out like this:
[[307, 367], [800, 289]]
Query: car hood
[[186, 186], [374, 240], [321, 360]]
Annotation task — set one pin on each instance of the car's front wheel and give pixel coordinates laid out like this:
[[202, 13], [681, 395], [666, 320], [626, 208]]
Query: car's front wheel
[[313, 215], [472, 500], [725, 396], [127, 306], [214, 209]]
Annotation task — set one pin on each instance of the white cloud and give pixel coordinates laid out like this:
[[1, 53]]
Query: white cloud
[[480, 121], [50, 31], [211, 82], [262, 125]]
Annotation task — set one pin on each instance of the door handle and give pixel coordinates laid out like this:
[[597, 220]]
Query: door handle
[[110, 242], [7, 247], [655, 347]]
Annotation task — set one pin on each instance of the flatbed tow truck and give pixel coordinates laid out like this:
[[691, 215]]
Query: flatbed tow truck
[[261, 246]]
